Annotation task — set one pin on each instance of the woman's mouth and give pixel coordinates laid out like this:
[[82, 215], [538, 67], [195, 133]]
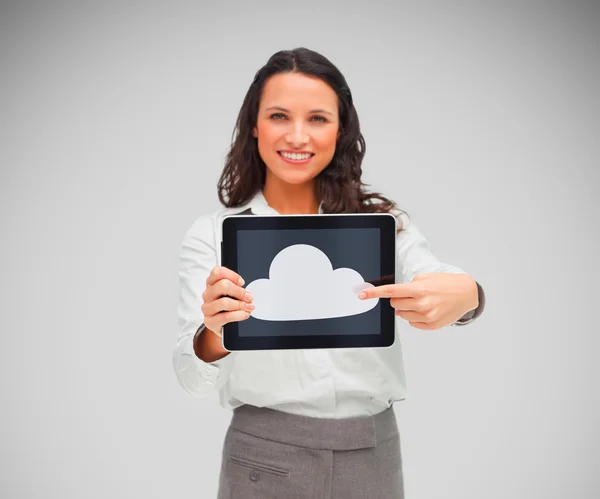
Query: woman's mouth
[[295, 157]]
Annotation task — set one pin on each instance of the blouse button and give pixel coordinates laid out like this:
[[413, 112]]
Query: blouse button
[[254, 475]]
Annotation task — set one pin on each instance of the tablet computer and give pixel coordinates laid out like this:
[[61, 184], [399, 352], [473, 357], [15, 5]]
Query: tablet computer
[[305, 272]]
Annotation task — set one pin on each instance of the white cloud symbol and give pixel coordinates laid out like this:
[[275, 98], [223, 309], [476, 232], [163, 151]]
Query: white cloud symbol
[[303, 285]]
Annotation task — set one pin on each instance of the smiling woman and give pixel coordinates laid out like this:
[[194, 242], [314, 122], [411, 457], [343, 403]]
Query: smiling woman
[[298, 139], [296, 130], [319, 422]]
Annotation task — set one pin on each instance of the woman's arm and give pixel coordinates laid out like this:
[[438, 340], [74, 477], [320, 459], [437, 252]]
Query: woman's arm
[[415, 257], [199, 366]]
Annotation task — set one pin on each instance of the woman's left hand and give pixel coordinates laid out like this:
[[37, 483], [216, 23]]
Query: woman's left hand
[[430, 301]]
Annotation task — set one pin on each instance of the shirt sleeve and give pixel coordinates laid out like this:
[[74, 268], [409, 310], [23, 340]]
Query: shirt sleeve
[[198, 257], [413, 257]]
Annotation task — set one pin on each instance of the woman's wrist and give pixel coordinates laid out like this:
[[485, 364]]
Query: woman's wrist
[[208, 345]]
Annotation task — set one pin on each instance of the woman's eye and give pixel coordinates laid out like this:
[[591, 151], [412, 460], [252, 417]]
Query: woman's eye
[[281, 116]]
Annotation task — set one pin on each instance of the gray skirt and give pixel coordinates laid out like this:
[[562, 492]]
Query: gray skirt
[[270, 454]]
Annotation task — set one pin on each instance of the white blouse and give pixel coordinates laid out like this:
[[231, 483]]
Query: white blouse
[[328, 383]]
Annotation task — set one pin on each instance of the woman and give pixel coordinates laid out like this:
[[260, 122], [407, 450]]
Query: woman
[[306, 423]]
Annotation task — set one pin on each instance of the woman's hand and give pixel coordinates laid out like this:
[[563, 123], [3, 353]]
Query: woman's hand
[[224, 299], [429, 301]]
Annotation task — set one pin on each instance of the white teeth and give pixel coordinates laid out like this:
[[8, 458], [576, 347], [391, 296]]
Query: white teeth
[[296, 157]]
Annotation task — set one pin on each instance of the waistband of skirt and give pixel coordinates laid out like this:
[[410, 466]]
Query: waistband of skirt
[[315, 433]]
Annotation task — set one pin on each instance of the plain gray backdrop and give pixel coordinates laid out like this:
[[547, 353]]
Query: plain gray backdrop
[[481, 120]]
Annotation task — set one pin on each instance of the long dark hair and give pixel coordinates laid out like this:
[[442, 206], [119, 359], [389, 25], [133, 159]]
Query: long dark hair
[[338, 186]]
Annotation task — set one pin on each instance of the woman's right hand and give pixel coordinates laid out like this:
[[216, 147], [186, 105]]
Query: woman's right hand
[[224, 299]]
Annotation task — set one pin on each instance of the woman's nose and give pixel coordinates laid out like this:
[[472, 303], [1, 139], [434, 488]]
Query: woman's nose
[[297, 136]]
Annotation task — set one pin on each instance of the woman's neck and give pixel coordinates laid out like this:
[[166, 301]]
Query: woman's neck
[[289, 199]]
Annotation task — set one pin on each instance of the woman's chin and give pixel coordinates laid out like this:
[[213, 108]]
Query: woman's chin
[[296, 178]]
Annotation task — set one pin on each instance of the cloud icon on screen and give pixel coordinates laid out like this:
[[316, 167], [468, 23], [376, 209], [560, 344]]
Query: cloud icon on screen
[[303, 285]]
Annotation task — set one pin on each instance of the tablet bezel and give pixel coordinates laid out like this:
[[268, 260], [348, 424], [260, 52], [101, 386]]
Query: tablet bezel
[[232, 341]]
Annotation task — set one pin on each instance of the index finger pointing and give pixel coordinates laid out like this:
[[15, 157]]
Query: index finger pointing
[[219, 273], [388, 291]]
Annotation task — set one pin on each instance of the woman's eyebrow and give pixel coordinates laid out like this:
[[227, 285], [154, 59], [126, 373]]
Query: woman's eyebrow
[[287, 111]]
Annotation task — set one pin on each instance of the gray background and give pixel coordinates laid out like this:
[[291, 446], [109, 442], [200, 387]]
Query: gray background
[[481, 120], [357, 249]]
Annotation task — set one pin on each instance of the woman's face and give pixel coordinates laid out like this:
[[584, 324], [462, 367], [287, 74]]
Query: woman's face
[[296, 127]]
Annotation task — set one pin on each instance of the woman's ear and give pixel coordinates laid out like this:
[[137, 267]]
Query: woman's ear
[[254, 133]]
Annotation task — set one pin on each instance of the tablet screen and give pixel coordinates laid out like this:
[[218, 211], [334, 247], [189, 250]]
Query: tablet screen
[[305, 272], [299, 274]]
